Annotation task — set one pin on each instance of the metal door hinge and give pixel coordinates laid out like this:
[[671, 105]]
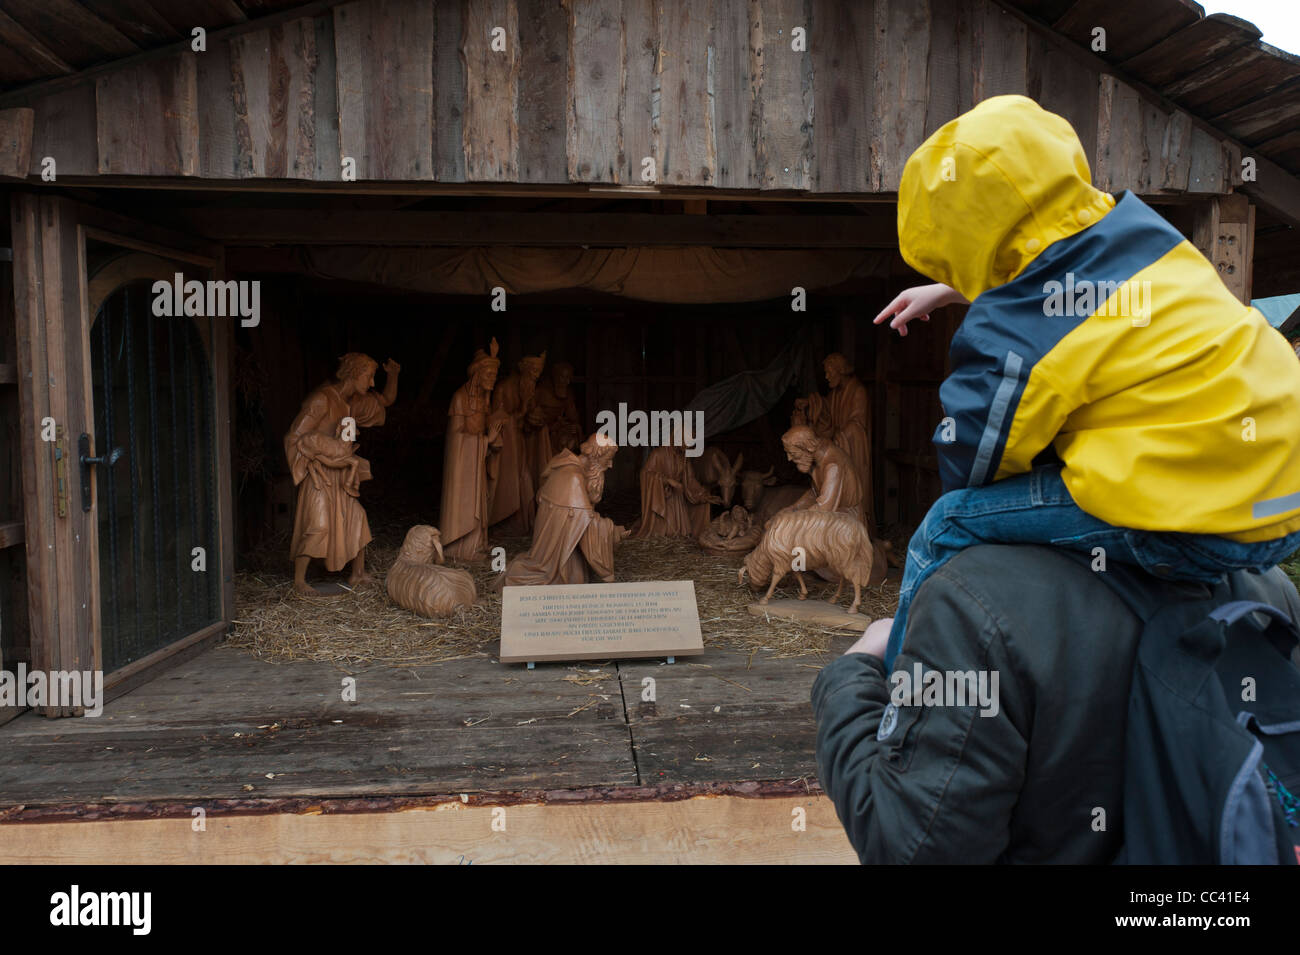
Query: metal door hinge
[[61, 470]]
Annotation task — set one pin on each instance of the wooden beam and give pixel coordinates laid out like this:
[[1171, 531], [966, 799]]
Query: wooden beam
[[14, 36], [16, 142], [11, 534], [707, 829], [1224, 231], [305, 227], [24, 94], [1273, 187]]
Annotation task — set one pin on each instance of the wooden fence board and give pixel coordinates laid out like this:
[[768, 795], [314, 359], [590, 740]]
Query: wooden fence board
[[64, 130], [491, 130], [147, 119], [595, 109], [784, 95], [901, 87], [273, 77], [733, 97], [385, 102], [544, 89], [843, 50], [687, 152]]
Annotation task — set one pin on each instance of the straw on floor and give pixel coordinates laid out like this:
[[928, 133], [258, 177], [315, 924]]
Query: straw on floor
[[364, 627]]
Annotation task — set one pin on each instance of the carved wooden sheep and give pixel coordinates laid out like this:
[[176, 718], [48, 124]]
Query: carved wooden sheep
[[418, 584], [823, 539]]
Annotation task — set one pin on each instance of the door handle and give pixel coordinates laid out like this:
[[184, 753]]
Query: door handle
[[83, 446]]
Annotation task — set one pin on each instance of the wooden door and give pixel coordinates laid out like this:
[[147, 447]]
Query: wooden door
[[99, 373]]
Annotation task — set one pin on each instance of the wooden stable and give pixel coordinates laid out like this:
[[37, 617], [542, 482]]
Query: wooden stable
[[380, 166]]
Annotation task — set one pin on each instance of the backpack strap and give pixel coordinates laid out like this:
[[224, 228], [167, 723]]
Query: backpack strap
[[1281, 629]]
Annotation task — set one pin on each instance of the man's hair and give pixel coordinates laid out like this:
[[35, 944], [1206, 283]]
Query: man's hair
[[354, 364], [838, 361], [532, 361], [800, 436]]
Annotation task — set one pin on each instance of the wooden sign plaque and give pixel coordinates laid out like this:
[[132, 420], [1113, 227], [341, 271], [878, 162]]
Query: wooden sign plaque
[[653, 618]]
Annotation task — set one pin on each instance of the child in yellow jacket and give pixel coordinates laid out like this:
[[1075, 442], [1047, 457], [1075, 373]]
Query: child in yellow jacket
[[1108, 393]]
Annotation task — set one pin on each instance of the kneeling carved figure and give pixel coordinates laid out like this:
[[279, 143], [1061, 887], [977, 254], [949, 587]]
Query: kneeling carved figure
[[420, 585]]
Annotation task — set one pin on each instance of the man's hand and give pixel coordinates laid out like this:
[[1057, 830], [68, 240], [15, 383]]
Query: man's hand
[[392, 368], [874, 639], [918, 302]]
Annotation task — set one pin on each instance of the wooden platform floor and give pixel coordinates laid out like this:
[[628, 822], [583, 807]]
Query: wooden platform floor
[[227, 726]]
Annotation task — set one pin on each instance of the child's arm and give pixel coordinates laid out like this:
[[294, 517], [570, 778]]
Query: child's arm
[[918, 302]]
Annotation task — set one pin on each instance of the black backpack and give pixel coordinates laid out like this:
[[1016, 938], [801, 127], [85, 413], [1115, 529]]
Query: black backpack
[[1212, 749]]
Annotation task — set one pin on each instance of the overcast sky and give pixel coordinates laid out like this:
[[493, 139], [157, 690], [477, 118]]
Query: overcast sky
[[1278, 20]]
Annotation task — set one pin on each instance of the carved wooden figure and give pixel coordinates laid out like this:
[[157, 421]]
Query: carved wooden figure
[[473, 435], [418, 583], [673, 502], [818, 539], [835, 484], [572, 544], [511, 486], [732, 532], [844, 416], [330, 524], [553, 424]]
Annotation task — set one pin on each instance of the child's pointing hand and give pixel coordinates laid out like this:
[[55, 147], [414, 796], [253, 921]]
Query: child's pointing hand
[[918, 302]]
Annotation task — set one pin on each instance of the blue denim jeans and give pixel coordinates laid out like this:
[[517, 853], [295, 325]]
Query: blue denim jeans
[[1036, 508]]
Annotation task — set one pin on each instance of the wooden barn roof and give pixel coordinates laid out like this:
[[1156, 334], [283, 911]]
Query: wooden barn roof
[[1215, 67], [43, 39]]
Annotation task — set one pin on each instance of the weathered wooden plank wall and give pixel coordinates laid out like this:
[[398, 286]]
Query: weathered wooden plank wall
[[798, 95]]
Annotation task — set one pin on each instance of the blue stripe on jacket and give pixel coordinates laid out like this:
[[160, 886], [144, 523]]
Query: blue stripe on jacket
[[1005, 334]]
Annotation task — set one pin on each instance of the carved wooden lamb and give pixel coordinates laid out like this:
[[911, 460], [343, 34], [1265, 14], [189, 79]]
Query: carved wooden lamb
[[418, 584], [822, 539]]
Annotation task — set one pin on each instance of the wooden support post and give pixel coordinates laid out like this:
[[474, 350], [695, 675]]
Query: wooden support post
[[50, 300], [1224, 231], [16, 142]]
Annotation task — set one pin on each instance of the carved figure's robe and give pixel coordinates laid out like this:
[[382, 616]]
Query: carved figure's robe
[[667, 511], [557, 428], [572, 544], [834, 483], [844, 416], [329, 522], [463, 516], [511, 487]]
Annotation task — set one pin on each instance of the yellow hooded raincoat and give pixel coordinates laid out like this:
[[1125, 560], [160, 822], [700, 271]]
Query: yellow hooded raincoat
[[1097, 330]]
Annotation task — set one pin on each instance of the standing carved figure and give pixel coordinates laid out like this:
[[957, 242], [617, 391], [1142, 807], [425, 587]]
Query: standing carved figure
[[330, 523], [511, 486], [473, 434], [844, 416], [553, 425], [572, 544]]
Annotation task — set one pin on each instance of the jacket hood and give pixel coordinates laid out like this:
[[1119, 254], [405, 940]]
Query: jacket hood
[[989, 191]]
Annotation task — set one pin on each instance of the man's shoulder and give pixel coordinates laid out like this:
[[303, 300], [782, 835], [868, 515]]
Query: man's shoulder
[[1024, 589]]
